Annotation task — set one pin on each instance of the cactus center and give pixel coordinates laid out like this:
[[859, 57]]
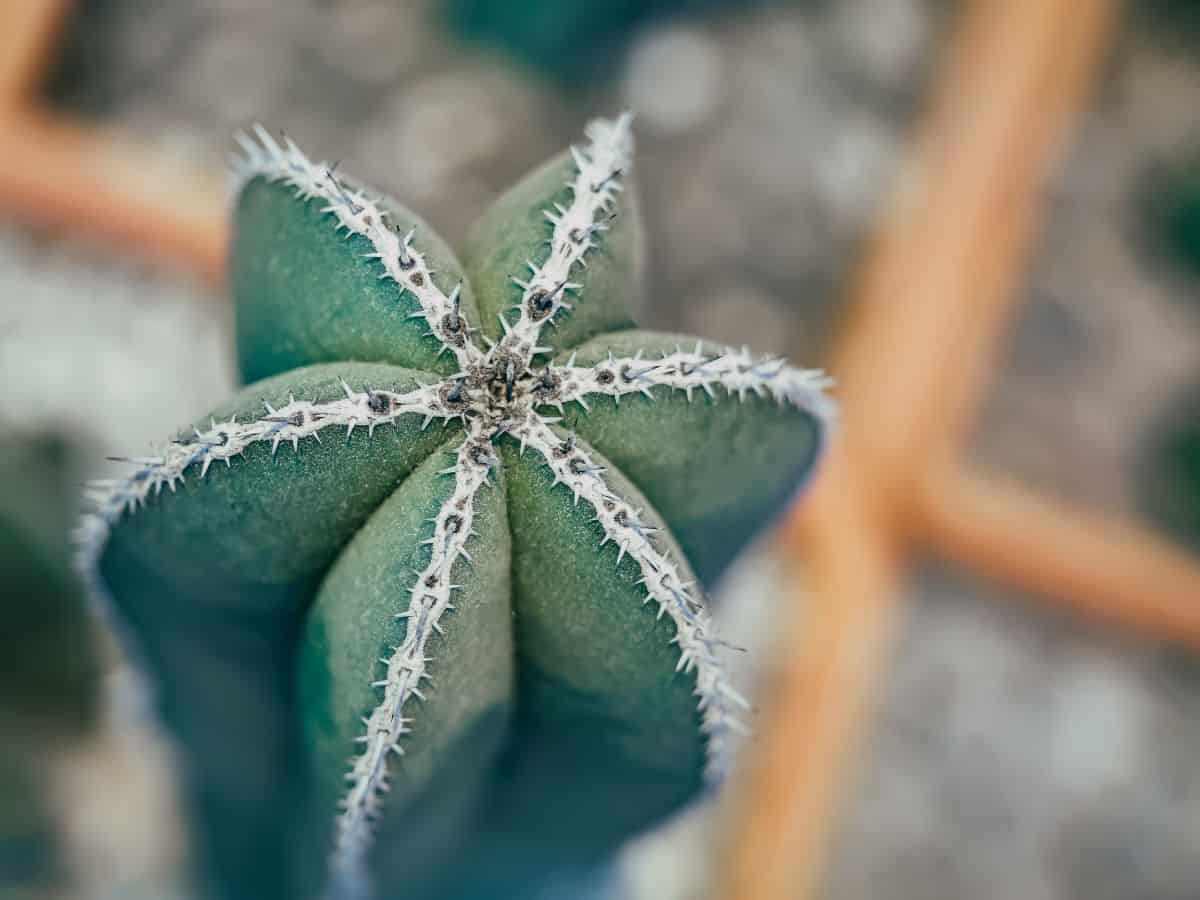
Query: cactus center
[[502, 388]]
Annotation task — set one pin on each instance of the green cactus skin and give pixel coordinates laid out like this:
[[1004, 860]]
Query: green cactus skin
[[427, 589], [48, 671]]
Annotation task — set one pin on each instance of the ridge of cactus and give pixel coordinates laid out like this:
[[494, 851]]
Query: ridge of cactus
[[360, 214], [576, 230], [429, 599], [109, 499], [662, 577]]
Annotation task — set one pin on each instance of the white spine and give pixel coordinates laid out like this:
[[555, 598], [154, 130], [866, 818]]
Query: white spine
[[662, 578], [406, 667], [599, 169], [736, 372], [402, 262]]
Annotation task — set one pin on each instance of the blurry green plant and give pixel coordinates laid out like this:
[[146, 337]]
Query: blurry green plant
[[1176, 20], [1171, 210], [1169, 477], [48, 669], [573, 41], [424, 601]]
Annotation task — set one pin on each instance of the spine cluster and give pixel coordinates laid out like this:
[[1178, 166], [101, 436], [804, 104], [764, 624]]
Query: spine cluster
[[665, 583], [599, 170], [406, 667], [737, 372], [358, 214]]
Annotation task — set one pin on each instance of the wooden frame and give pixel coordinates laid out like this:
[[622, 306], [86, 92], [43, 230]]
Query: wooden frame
[[928, 317]]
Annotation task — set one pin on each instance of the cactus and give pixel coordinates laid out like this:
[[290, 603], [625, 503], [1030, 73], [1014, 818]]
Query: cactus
[[432, 584]]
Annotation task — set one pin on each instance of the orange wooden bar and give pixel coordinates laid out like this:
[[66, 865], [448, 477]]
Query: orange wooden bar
[[60, 175], [1108, 569], [63, 175], [927, 316], [28, 30], [791, 787]]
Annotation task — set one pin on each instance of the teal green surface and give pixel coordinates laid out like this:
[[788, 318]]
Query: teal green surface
[[607, 738], [1168, 472], [1172, 205], [718, 471], [305, 292], [215, 578], [353, 625], [272, 518], [600, 654], [515, 229]]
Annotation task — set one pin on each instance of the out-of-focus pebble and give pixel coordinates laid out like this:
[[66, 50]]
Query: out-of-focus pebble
[[673, 81], [738, 314]]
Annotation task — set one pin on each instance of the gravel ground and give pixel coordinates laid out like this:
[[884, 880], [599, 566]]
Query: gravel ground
[[1018, 753]]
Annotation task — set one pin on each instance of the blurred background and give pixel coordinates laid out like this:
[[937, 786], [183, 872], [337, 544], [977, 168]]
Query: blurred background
[[1015, 749]]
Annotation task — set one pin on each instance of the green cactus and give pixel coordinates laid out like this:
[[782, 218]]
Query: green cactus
[[1168, 470], [474, 633], [1171, 211], [48, 669]]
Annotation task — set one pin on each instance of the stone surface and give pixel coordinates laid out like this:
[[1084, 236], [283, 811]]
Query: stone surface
[[673, 80]]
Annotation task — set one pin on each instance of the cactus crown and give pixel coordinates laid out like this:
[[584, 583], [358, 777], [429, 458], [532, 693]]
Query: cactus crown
[[557, 395]]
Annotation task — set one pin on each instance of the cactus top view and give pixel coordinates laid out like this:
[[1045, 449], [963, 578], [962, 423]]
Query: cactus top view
[[430, 588]]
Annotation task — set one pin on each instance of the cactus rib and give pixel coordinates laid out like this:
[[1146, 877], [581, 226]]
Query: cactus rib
[[358, 214], [110, 499], [736, 371], [429, 599], [661, 576], [597, 179]]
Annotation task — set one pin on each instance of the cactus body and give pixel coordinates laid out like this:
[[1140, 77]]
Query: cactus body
[[428, 588]]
